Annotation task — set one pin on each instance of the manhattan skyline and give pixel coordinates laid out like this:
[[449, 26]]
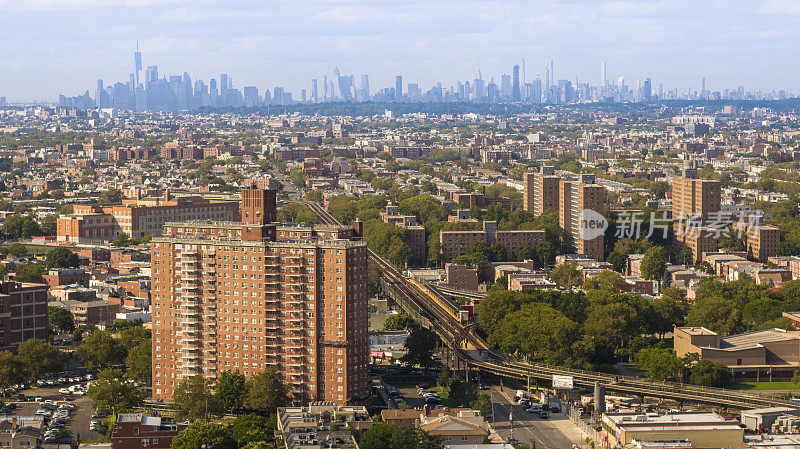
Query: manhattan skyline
[[275, 43]]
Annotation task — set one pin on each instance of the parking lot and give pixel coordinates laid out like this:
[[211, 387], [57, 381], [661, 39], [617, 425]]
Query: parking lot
[[79, 418]]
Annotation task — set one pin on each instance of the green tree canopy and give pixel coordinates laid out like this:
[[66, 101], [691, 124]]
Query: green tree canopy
[[60, 319], [12, 370], [207, 435], [420, 347], [61, 258], [711, 374], [111, 393], [398, 322], [193, 400], [266, 392], [229, 390], [139, 363], [392, 436], [31, 272], [100, 349], [40, 358]]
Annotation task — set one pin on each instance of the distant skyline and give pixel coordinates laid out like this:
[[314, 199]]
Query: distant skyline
[[64, 46]]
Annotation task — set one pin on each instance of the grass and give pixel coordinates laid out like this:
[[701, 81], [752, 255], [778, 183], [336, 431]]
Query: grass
[[36, 249], [765, 386]]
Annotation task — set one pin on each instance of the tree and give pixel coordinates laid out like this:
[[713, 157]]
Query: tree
[[21, 226], [653, 264], [392, 436], [314, 195], [60, 319], [297, 177], [540, 333], [607, 280], [566, 275], [17, 250], [398, 322], [251, 428], [132, 334], [40, 358], [12, 370], [711, 374], [193, 399], [659, 363], [204, 435], [100, 349], [111, 393], [266, 392], [343, 208], [482, 404], [122, 239], [61, 258], [31, 272], [110, 196], [229, 390], [420, 346], [670, 309], [139, 362]]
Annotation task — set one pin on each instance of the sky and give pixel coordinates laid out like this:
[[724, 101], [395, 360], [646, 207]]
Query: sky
[[63, 46]]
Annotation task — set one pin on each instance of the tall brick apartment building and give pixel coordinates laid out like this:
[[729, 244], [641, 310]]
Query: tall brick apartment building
[[575, 196], [252, 294], [541, 191], [23, 313], [694, 197]]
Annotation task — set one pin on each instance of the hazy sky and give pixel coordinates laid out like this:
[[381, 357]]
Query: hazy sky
[[63, 46]]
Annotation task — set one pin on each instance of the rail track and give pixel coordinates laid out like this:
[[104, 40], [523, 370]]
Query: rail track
[[470, 348]]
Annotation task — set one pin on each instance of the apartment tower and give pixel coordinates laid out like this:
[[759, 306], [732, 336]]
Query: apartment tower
[[541, 191], [575, 196], [255, 294], [698, 199]]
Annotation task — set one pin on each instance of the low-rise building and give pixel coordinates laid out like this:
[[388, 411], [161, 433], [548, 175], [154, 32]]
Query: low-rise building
[[137, 430], [321, 424], [461, 277], [768, 354], [698, 429], [23, 313]]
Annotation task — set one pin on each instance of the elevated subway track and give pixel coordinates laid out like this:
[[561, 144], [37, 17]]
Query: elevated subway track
[[431, 307]]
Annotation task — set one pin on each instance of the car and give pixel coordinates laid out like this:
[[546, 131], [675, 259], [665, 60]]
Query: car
[[37, 399], [50, 438], [63, 391], [543, 414], [43, 412], [533, 409], [545, 406], [100, 415], [56, 425], [555, 409]]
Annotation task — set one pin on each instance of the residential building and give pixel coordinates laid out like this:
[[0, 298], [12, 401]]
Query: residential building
[[698, 199], [415, 234], [466, 428], [461, 277], [137, 217], [23, 313], [137, 430], [541, 191], [455, 243], [320, 425], [254, 294], [21, 432], [762, 242], [90, 312], [576, 197]]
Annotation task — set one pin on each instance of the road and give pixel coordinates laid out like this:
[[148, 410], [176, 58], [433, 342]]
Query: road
[[555, 432]]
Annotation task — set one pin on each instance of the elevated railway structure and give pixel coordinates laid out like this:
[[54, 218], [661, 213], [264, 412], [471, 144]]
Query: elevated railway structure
[[434, 311]]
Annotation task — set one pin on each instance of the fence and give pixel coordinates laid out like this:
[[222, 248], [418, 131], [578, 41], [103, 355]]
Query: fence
[[585, 427]]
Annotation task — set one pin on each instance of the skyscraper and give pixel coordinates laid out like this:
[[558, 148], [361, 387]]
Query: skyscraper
[[223, 89], [505, 86], [398, 87], [552, 73], [314, 91], [254, 294], [137, 64], [364, 87], [516, 95], [603, 77]]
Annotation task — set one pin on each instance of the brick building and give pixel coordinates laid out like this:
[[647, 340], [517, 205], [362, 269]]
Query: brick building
[[693, 197], [23, 313], [455, 243], [135, 431], [253, 294], [762, 242], [575, 197], [541, 191], [93, 223]]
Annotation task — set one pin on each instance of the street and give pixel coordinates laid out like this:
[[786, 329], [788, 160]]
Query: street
[[555, 432]]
